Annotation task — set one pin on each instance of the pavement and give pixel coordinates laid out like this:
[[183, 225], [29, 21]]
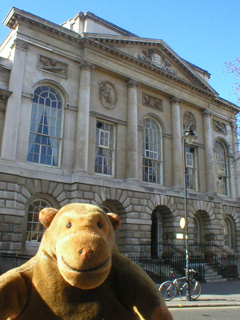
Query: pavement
[[215, 294]]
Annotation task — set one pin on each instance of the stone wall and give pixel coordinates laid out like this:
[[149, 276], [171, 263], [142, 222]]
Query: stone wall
[[134, 207]]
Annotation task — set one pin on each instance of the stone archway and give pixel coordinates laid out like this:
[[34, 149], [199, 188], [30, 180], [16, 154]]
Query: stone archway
[[162, 229], [116, 207], [204, 227]]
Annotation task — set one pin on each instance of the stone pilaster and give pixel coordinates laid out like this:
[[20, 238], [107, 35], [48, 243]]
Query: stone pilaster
[[235, 164], [82, 128], [10, 133], [210, 169], [132, 131], [177, 156]]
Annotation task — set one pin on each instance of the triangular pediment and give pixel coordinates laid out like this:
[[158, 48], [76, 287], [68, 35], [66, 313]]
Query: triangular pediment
[[157, 54]]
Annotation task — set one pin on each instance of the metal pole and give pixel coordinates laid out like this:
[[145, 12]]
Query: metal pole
[[188, 294]]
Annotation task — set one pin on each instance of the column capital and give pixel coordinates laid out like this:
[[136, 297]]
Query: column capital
[[21, 44], [175, 100], [133, 83], [85, 65], [233, 124], [206, 113]]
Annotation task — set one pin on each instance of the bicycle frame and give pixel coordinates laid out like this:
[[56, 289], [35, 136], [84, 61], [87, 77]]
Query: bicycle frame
[[171, 288], [177, 282]]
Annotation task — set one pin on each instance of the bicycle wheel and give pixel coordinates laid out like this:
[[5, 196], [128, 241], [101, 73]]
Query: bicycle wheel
[[195, 289], [168, 290]]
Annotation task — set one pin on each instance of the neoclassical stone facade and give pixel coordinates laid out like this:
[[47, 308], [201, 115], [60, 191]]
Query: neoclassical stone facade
[[90, 112]]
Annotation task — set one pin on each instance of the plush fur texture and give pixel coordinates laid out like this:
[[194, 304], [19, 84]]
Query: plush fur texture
[[78, 274]]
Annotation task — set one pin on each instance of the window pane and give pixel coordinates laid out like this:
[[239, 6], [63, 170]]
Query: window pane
[[104, 148], [47, 123], [191, 168], [151, 150], [221, 168], [34, 229]]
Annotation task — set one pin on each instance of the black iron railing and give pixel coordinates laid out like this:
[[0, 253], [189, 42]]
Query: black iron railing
[[11, 260], [158, 259]]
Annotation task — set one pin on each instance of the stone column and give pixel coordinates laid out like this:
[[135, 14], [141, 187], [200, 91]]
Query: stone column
[[12, 115], [210, 169], [177, 156], [132, 131], [82, 128]]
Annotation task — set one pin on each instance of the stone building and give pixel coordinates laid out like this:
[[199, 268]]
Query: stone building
[[90, 112]]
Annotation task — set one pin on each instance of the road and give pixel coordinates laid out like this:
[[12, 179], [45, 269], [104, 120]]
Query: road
[[211, 313]]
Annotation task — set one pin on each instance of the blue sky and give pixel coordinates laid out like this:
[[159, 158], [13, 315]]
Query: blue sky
[[204, 32]]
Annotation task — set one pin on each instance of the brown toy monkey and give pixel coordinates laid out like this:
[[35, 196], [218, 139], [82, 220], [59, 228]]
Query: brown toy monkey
[[78, 274]]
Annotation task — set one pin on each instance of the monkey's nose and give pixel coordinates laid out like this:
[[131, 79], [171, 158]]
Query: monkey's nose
[[85, 253]]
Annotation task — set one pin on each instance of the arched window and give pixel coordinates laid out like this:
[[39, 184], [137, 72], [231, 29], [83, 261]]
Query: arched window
[[152, 153], [35, 229], [221, 168], [46, 126]]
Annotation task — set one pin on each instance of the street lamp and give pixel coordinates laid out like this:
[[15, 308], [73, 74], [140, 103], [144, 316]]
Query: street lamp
[[188, 138]]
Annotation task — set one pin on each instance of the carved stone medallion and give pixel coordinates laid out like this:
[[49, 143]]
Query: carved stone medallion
[[107, 94], [189, 121]]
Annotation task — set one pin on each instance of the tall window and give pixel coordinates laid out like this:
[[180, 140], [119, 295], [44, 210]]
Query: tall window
[[104, 159], [34, 228], [46, 127], [191, 168], [221, 168], [152, 154]]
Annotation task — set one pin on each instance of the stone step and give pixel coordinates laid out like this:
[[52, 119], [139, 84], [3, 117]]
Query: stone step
[[216, 280], [212, 276]]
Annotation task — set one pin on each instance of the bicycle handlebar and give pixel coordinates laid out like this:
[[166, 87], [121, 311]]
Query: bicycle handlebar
[[190, 271]]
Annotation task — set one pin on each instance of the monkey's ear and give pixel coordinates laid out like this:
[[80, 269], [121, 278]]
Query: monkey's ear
[[115, 220], [46, 216]]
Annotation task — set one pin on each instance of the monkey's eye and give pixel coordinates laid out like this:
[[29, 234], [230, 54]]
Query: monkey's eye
[[99, 224], [68, 225]]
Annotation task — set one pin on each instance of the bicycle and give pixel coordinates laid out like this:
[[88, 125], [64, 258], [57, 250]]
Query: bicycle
[[169, 289]]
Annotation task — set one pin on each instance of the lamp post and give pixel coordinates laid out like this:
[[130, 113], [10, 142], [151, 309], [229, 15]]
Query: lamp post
[[188, 138]]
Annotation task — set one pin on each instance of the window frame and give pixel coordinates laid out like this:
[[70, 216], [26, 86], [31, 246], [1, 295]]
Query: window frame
[[152, 162], [220, 177], [44, 148], [37, 223], [105, 149], [192, 167]]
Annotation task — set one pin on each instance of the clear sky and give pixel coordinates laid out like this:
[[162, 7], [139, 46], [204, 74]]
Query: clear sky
[[204, 32]]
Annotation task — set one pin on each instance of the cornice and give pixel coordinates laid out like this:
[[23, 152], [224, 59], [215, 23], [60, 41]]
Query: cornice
[[150, 67], [158, 43], [106, 117], [15, 16], [227, 104], [205, 91], [104, 22], [105, 43]]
